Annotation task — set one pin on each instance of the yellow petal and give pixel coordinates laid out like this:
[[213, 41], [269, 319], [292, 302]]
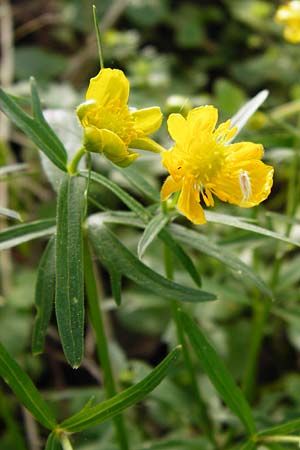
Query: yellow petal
[[112, 146], [189, 202], [177, 127], [109, 85], [169, 187], [245, 184], [244, 151], [292, 33], [145, 143], [204, 118], [84, 110], [147, 120]]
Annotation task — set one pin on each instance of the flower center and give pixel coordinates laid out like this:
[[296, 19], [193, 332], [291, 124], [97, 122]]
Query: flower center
[[204, 159], [116, 118]]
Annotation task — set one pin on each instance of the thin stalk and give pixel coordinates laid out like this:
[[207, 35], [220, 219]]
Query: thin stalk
[[65, 442], [72, 166], [96, 317], [98, 34], [295, 439], [175, 309]]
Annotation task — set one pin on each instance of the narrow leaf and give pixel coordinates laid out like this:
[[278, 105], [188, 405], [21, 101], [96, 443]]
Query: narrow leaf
[[127, 199], [13, 236], [237, 223], [118, 259], [10, 214], [25, 390], [240, 119], [250, 445], [199, 242], [218, 373], [139, 182], [286, 428], [53, 442], [129, 218], [69, 298], [44, 297], [115, 405], [151, 231], [38, 132]]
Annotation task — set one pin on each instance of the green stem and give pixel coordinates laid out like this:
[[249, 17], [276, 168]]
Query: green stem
[[96, 317], [295, 439], [72, 166], [98, 34], [175, 308], [65, 442]]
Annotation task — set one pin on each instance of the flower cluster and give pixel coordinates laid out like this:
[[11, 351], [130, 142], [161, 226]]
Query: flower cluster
[[289, 16], [202, 162]]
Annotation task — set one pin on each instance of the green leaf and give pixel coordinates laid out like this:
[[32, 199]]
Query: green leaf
[[37, 131], [44, 297], [237, 223], [249, 446], [110, 408], [286, 428], [10, 214], [139, 182], [127, 199], [53, 442], [201, 243], [129, 218], [13, 236], [151, 231], [218, 374], [25, 390], [119, 260], [69, 297]]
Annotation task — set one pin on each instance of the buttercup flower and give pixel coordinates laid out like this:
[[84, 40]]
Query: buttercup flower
[[202, 163], [289, 15], [109, 126]]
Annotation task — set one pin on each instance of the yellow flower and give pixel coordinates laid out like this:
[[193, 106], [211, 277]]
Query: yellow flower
[[109, 126], [202, 163], [289, 15]]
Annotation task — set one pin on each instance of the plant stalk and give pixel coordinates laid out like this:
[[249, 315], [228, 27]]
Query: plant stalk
[[97, 321]]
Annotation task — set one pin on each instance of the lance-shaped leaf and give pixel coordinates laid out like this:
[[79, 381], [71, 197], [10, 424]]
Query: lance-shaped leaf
[[197, 241], [291, 426], [242, 225], [218, 373], [120, 261], [151, 231], [69, 297], [89, 417], [11, 214], [25, 390], [44, 297], [13, 236], [39, 132], [53, 442]]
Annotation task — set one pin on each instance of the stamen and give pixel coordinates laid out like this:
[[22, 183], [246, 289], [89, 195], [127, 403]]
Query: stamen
[[245, 184]]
